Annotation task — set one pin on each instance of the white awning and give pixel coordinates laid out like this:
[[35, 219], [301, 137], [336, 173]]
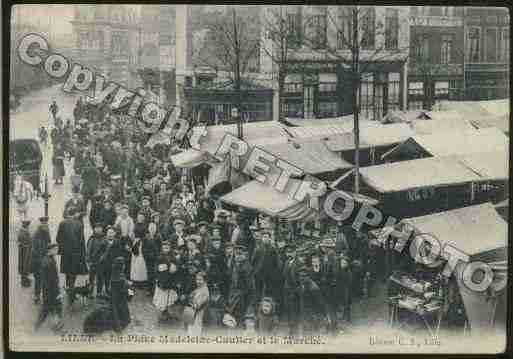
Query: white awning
[[473, 230]]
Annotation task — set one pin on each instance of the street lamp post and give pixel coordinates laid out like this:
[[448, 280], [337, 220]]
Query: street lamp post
[[46, 196], [235, 115]]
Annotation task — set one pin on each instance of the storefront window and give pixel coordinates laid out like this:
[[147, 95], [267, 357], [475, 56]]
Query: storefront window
[[441, 88], [327, 109]]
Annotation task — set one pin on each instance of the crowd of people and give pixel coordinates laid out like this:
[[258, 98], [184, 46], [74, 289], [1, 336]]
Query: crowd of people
[[156, 230]]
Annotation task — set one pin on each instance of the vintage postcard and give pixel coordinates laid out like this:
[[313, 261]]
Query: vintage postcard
[[258, 179]]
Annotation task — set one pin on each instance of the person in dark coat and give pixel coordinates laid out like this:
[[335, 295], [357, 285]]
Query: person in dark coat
[[78, 204], [90, 179], [95, 215], [24, 253], [40, 242], [118, 248], [150, 250], [96, 246], [313, 308], [119, 295], [52, 302], [70, 238], [290, 289], [242, 296], [108, 214], [58, 163], [343, 291], [328, 276], [266, 266]]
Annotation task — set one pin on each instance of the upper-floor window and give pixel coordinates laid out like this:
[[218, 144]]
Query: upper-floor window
[[445, 53], [474, 44], [345, 27], [491, 44], [293, 18], [318, 30], [391, 29], [368, 28], [447, 11], [422, 47], [504, 45]]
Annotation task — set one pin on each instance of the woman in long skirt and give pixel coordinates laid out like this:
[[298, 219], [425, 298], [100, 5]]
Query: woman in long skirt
[[198, 302], [58, 164], [167, 282], [138, 270]]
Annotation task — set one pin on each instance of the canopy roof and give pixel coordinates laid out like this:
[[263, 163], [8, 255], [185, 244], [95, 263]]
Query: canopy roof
[[436, 171], [424, 127], [500, 122], [372, 134], [458, 142], [189, 158], [331, 121], [473, 229], [266, 199], [311, 156], [491, 107]]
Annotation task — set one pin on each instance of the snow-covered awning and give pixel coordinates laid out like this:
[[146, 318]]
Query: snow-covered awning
[[473, 229], [459, 142], [436, 171]]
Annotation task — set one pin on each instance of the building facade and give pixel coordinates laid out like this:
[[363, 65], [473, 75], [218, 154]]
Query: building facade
[[107, 40], [435, 66], [486, 53], [318, 82]]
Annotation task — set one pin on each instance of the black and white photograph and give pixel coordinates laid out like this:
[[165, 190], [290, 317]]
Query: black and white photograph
[[189, 178]]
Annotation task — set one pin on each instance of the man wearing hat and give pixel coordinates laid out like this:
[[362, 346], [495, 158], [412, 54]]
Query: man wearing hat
[[177, 239], [96, 209], [204, 244], [266, 267], [329, 273], [133, 203], [146, 209], [163, 198], [96, 246], [40, 241], [290, 285], [242, 292], [343, 292], [108, 214], [90, 178], [52, 302], [70, 238], [24, 253], [77, 203], [314, 311], [222, 221]]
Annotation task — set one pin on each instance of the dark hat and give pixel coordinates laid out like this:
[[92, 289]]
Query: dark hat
[[155, 214], [165, 243], [75, 189], [265, 231], [194, 237], [215, 237], [43, 220], [109, 227], [118, 261], [223, 213], [98, 196], [215, 226], [124, 206], [241, 247], [178, 221], [290, 247], [228, 244], [99, 224], [52, 245], [107, 201], [145, 197], [25, 223], [202, 223]]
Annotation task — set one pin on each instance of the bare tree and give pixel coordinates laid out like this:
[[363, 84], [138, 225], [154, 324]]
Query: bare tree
[[281, 40], [232, 47], [355, 48]]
